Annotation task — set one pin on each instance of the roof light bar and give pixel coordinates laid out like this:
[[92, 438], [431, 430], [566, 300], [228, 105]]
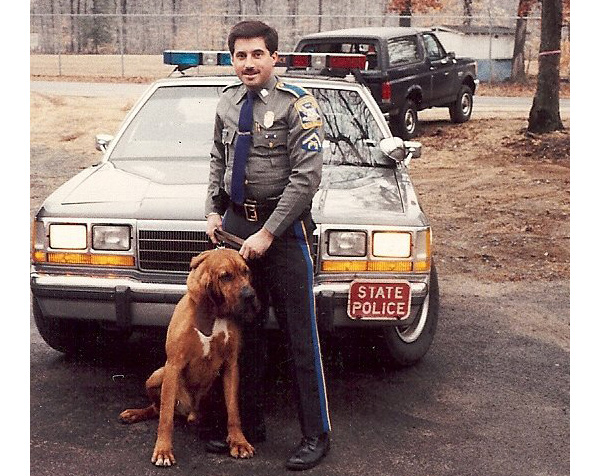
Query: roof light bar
[[321, 61], [188, 59]]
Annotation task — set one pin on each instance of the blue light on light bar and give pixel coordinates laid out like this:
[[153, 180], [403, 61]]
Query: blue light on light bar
[[197, 58], [182, 58]]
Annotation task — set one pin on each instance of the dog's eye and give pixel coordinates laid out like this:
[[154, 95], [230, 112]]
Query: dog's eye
[[226, 276]]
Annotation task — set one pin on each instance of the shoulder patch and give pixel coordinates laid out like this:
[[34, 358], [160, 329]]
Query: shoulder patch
[[290, 88], [312, 143], [308, 110]]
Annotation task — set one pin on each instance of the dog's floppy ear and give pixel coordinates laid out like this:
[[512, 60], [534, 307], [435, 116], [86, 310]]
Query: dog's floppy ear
[[196, 260], [194, 280]]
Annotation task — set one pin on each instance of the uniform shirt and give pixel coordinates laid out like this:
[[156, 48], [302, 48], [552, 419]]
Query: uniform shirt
[[285, 159]]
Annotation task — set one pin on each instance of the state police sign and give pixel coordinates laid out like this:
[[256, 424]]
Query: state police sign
[[376, 299]]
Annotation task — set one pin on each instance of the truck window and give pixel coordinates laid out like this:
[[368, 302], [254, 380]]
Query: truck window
[[403, 50], [433, 47]]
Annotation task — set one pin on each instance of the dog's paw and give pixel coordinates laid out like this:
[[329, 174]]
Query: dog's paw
[[129, 416], [162, 457], [240, 448]]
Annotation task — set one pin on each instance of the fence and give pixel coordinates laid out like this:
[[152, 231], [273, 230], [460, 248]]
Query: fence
[[119, 38]]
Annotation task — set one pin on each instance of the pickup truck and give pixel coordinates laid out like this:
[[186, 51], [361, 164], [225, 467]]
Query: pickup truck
[[407, 70]]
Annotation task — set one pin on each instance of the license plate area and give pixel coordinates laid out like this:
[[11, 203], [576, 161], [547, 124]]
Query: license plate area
[[379, 299]]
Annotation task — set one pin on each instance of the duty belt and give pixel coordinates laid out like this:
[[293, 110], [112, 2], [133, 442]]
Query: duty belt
[[253, 210]]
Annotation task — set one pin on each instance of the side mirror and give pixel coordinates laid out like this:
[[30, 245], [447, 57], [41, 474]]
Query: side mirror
[[393, 147], [103, 141], [399, 150], [451, 55]]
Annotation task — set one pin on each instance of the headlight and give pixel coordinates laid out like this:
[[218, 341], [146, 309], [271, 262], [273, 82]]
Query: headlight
[[111, 237], [347, 243], [391, 245], [68, 237]]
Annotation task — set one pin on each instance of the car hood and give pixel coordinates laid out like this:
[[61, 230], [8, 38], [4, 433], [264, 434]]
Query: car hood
[[169, 190]]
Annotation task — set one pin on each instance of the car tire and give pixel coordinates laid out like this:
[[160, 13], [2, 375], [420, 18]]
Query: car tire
[[70, 336], [406, 346], [406, 123], [461, 109]]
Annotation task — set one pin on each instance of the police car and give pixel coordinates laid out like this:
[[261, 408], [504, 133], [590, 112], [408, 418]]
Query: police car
[[111, 247]]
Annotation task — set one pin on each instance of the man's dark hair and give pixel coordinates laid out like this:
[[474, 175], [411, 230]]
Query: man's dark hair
[[254, 29]]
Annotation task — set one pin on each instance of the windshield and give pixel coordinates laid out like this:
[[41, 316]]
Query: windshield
[[177, 123]]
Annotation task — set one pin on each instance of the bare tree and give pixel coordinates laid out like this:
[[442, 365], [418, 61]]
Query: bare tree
[[517, 73], [406, 8], [467, 12], [545, 112]]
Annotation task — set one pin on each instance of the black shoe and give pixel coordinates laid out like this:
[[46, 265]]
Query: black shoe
[[218, 447], [309, 453]]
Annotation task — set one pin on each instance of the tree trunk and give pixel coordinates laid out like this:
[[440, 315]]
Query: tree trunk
[[467, 12], [545, 113], [124, 17], [517, 73]]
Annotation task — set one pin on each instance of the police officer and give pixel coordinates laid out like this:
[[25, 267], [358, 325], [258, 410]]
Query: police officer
[[265, 169]]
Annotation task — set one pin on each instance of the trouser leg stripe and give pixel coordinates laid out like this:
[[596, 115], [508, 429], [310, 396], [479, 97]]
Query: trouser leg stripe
[[301, 234]]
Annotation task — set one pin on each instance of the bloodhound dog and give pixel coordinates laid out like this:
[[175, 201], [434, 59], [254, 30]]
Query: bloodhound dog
[[203, 339]]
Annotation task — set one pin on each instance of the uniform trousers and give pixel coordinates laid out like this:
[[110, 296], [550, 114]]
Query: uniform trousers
[[284, 278]]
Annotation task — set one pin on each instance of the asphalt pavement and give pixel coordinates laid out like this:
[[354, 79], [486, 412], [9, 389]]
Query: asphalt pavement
[[491, 398]]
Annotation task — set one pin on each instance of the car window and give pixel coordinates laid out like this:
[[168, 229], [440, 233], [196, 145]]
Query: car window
[[174, 123], [435, 50], [351, 133], [368, 48], [178, 123], [403, 50]]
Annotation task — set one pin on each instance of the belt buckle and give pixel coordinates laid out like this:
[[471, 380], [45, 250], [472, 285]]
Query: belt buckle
[[250, 211]]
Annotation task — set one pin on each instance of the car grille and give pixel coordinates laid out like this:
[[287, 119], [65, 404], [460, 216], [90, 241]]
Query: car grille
[[170, 250]]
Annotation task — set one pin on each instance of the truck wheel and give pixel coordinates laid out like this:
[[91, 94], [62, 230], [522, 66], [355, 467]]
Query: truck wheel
[[76, 337], [405, 124], [405, 346], [461, 109]]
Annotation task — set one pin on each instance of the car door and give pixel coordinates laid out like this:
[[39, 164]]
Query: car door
[[441, 69]]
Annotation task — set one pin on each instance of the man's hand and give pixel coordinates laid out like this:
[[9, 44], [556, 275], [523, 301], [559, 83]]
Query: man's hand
[[256, 245], [213, 222]]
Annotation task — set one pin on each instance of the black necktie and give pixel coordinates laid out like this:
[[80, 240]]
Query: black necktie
[[242, 147]]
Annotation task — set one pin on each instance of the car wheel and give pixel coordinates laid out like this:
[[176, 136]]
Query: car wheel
[[461, 109], [76, 337], [407, 345], [406, 123]]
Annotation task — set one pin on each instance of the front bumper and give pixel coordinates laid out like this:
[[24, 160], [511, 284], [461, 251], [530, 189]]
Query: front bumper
[[129, 303]]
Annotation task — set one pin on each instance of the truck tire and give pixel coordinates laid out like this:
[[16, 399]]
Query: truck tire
[[406, 346], [461, 109], [406, 123], [77, 337]]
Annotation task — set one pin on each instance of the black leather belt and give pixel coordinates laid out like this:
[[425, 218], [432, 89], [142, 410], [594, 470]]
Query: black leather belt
[[253, 210]]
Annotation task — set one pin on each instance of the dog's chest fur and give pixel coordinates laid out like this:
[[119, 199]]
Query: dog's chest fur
[[210, 354], [219, 336]]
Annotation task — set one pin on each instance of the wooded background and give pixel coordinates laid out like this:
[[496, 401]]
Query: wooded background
[[148, 27]]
